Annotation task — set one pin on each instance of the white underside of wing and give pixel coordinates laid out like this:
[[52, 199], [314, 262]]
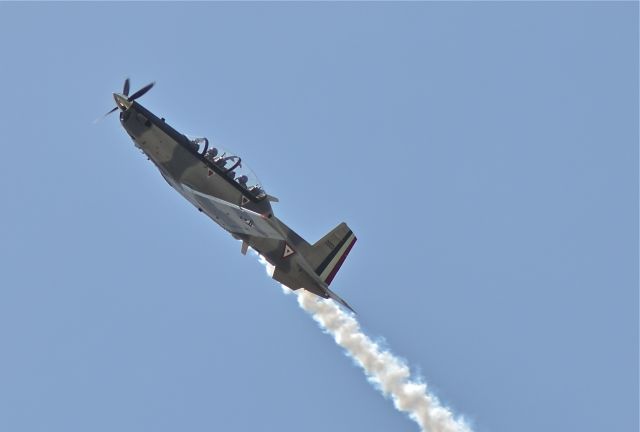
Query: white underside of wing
[[232, 217]]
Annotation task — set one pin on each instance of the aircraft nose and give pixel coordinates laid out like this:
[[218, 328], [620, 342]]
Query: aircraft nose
[[122, 101]]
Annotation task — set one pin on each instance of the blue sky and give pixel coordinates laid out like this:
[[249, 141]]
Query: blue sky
[[486, 156]]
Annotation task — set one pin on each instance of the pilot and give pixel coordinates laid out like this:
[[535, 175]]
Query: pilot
[[221, 162], [211, 154], [195, 144], [232, 174], [243, 180]]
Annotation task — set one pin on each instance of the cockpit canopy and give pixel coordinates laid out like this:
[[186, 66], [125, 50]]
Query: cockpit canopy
[[231, 165]]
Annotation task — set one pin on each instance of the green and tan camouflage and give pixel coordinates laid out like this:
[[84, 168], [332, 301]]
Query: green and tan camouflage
[[220, 185]]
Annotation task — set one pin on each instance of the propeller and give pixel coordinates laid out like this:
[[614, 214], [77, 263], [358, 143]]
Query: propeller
[[134, 96], [140, 92], [110, 111]]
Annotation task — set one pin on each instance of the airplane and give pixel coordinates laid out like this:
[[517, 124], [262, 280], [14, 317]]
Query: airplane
[[219, 184]]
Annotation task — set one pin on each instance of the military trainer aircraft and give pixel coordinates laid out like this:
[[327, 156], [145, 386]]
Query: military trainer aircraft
[[220, 185]]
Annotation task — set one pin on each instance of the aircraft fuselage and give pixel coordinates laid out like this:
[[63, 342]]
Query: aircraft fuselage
[[237, 209]]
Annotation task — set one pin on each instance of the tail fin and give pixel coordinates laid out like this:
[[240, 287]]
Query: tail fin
[[328, 253]]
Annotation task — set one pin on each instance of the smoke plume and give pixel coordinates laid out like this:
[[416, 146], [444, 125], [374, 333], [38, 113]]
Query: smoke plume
[[388, 373]]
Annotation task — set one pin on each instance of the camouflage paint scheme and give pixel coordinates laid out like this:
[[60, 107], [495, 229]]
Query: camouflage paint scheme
[[245, 213]]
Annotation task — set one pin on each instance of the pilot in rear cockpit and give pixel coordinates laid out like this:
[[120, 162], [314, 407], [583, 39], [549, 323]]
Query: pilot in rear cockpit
[[243, 181], [211, 154], [221, 162]]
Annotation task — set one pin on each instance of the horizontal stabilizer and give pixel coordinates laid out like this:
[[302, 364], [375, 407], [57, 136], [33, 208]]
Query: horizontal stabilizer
[[337, 298]]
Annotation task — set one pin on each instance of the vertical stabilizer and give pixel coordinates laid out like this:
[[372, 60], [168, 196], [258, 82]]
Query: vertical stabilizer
[[327, 254]]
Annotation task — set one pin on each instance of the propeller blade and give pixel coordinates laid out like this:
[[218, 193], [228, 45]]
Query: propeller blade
[[125, 90], [99, 119], [140, 92], [111, 111]]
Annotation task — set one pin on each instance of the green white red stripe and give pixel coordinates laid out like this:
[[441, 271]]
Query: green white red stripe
[[332, 263]]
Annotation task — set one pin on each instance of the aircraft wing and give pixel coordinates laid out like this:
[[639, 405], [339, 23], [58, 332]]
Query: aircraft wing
[[232, 217]]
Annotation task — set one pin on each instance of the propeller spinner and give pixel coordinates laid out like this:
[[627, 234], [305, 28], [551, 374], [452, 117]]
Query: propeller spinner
[[123, 101]]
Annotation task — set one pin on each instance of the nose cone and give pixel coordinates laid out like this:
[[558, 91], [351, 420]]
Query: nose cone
[[122, 101]]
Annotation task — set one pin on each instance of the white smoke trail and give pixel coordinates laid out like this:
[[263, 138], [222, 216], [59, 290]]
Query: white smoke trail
[[382, 368]]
